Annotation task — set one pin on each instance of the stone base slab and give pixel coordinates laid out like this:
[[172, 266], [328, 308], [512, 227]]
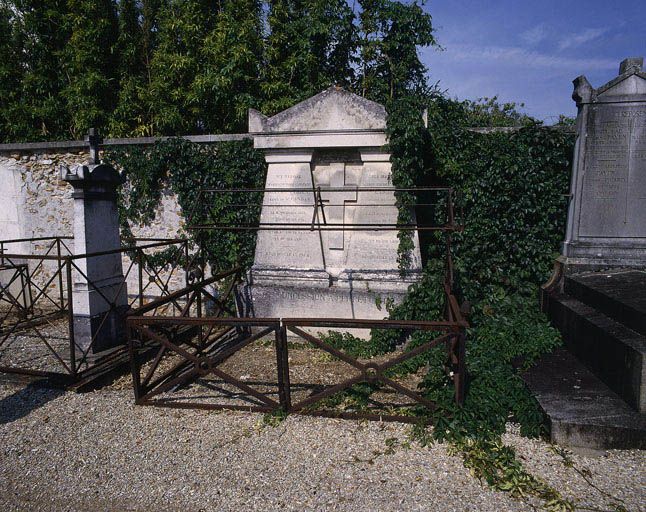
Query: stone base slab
[[296, 296], [301, 302], [602, 254], [106, 333], [291, 301], [371, 282]]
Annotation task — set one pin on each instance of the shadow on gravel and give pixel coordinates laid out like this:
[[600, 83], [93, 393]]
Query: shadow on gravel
[[26, 400]]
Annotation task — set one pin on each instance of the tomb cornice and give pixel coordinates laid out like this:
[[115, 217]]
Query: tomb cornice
[[629, 85], [321, 139]]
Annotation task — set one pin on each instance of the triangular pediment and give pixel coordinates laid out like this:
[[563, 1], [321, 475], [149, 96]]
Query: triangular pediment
[[633, 84], [334, 109]]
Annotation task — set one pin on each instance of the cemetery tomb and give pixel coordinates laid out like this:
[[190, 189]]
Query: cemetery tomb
[[597, 295], [327, 168], [607, 217]]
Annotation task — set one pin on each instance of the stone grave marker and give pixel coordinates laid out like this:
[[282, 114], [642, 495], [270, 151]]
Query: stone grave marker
[[333, 142], [100, 298], [607, 213], [595, 296]]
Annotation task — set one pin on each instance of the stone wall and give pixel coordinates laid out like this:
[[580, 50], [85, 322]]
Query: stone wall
[[37, 203]]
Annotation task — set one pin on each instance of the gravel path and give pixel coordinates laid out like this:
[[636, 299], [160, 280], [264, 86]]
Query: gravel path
[[97, 451]]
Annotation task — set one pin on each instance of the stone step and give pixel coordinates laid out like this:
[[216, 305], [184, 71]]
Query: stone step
[[612, 351], [583, 412], [619, 294]]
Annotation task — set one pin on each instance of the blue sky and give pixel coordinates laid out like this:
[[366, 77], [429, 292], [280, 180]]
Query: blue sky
[[529, 51]]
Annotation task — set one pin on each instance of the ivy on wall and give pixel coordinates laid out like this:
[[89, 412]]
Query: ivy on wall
[[408, 146], [190, 170], [512, 187], [513, 190]]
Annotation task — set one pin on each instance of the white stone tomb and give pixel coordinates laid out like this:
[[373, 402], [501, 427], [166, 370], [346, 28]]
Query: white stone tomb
[[334, 140]]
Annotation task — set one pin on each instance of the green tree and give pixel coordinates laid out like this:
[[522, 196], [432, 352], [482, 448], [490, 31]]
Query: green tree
[[390, 34], [40, 111], [310, 46], [149, 29], [176, 61], [127, 118], [490, 112], [90, 63], [231, 55], [10, 69]]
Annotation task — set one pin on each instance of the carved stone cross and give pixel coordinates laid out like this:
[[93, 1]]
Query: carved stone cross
[[335, 208], [94, 140]]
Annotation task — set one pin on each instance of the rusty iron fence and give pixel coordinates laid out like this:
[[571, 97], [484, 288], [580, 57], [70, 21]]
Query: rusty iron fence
[[203, 363], [190, 344], [440, 200], [37, 280], [228, 361]]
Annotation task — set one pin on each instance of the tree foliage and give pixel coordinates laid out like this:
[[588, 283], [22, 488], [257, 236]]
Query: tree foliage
[[231, 54], [10, 71], [170, 67], [39, 110], [183, 25], [391, 33], [90, 63], [310, 46], [127, 117]]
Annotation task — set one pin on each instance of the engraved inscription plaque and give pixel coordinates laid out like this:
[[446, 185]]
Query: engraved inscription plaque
[[615, 172]]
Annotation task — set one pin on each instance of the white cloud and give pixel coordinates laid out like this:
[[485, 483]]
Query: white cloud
[[535, 35], [580, 38], [521, 57]]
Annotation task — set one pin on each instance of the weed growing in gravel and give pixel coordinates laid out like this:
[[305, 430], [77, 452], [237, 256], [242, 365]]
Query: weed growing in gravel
[[616, 504], [273, 419], [492, 462]]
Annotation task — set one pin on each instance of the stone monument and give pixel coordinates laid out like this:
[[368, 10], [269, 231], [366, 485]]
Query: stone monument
[[322, 154], [607, 213], [100, 297], [596, 395]]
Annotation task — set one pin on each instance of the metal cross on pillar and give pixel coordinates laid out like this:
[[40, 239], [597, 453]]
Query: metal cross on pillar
[[94, 140], [335, 208]]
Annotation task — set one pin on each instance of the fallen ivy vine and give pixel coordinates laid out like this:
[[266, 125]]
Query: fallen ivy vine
[[512, 188]]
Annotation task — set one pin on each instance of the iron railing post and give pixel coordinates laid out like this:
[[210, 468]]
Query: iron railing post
[[198, 306], [459, 376], [186, 265], [140, 270], [60, 273], [70, 316], [282, 360], [134, 363]]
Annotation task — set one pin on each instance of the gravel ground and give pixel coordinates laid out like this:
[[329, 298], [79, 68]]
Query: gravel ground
[[97, 451]]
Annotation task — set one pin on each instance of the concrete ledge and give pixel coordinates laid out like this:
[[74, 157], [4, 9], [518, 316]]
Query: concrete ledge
[[135, 141], [612, 351], [583, 412]]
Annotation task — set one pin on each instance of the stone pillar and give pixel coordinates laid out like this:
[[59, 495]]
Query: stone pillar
[[100, 297]]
